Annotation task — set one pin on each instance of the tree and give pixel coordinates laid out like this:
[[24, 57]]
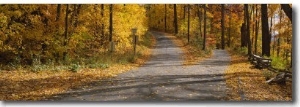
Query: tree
[[211, 19], [253, 25], [248, 29], [42, 33], [243, 33], [175, 19], [266, 38], [102, 15], [256, 28], [111, 26], [188, 23], [165, 17], [229, 27], [200, 19], [287, 10], [58, 12], [204, 32], [223, 27], [66, 32]]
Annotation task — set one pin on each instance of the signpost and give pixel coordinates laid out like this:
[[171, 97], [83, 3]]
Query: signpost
[[133, 31], [111, 46]]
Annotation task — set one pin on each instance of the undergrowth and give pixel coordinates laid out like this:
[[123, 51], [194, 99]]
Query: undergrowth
[[41, 81], [242, 79]]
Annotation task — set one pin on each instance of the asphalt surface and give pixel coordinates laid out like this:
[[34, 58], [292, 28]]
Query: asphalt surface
[[162, 78]]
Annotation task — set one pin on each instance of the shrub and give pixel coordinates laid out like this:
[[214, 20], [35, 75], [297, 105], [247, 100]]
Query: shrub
[[74, 67], [268, 74], [279, 63], [243, 50]]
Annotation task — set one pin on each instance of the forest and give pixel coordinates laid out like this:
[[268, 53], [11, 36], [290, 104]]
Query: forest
[[36, 38], [248, 28], [57, 33]]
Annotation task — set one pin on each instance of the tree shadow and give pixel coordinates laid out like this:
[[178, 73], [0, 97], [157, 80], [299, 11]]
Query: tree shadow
[[208, 87]]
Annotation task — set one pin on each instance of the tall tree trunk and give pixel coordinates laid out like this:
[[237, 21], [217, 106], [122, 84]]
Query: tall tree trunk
[[165, 17], [271, 24], [287, 10], [110, 22], [77, 14], [248, 29], [175, 19], [229, 28], [243, 33], [204, 32], [200, 20], [188, 24], [58, 12], [245, 28], [256, 29], [253, 26], [266, 38], [66, 34], [211, 19], [111, 28], [222, 23]]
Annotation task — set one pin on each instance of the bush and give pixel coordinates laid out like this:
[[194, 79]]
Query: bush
[[268, 74], [37, 68], [243, 50], [99, 65], [74, 67], [279, 63], [132, 59]]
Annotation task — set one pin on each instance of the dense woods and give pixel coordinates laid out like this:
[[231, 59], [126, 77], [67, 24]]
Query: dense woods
[[251, 28], [62, 33], [41, 43]]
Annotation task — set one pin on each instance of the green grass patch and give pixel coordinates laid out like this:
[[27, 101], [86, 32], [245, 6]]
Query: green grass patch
[[279, 63]]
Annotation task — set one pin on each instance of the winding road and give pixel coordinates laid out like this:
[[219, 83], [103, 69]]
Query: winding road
[[162, 78]]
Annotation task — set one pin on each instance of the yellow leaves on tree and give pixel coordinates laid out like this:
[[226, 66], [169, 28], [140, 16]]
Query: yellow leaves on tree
[[125, 18]]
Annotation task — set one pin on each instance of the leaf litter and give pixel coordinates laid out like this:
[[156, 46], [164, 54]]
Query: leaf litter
[[252, 83]]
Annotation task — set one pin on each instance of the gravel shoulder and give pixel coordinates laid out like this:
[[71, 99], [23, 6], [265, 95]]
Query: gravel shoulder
[[162, 78]]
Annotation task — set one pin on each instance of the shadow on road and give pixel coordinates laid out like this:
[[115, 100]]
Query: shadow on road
[[153, 88]]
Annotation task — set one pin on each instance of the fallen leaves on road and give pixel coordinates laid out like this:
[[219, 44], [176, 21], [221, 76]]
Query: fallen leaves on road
[[241, 78], [191, 54]]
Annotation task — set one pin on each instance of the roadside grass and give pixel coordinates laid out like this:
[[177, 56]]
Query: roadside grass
[[243, 79], [42, 81]]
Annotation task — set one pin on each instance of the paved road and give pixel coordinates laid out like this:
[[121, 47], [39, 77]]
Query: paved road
[[163, 78]]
